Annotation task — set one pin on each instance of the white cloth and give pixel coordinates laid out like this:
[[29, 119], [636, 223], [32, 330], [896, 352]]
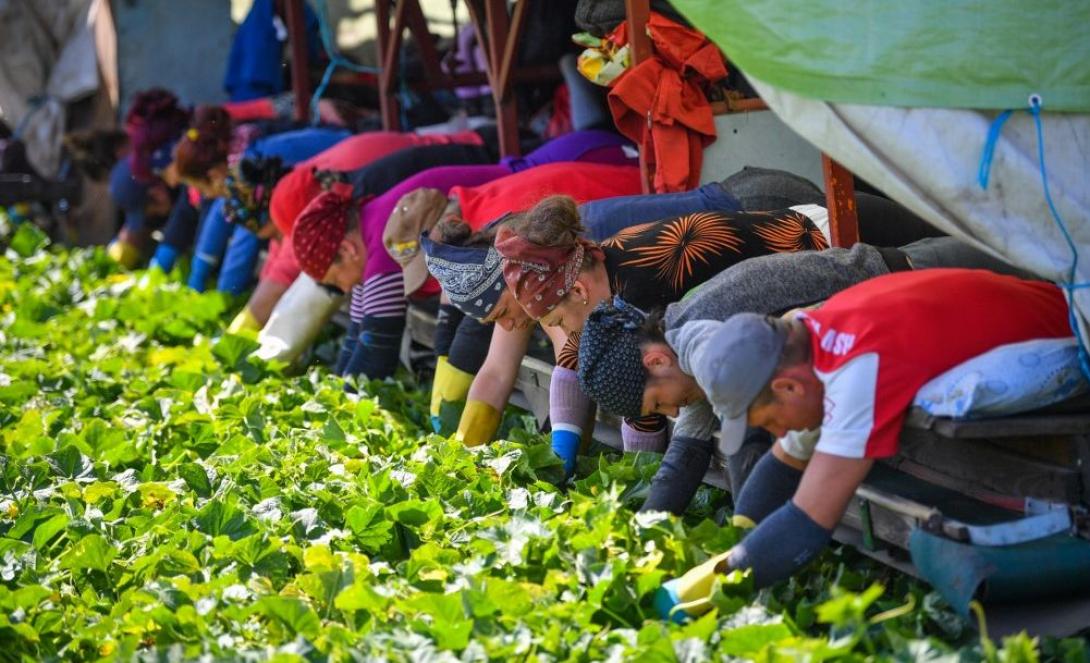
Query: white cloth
[[47, 50], [928, 160]]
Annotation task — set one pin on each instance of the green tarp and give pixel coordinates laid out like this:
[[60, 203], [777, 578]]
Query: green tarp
[[984, 54]]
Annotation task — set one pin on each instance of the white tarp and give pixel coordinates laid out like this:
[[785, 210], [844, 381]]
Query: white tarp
[[929, 159], [47, 51]]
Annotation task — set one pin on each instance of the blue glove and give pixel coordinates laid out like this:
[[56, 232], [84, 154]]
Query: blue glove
[[566, 446], [164, 258]]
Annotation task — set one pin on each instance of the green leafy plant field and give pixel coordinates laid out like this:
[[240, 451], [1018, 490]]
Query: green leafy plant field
[[164, 498]]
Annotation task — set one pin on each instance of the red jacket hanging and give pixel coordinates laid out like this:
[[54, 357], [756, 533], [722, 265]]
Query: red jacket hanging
[[660, 105]]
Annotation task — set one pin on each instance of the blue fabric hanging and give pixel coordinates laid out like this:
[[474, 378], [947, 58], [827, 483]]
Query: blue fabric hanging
[[254, 65]]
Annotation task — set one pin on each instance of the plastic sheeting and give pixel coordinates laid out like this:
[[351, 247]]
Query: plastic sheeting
[[925, 53], [47, 59], [929, 160]]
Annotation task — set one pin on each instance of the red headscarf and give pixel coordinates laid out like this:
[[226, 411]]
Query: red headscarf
[[319, 231], [541, 276]]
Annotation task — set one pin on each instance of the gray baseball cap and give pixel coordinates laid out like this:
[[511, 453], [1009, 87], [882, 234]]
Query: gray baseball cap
[[731, 361]]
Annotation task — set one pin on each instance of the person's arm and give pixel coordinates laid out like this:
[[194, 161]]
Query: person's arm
[[571, 411], [237, 273], [686, 460], [461, 351], [492, 386], [214, 233], [383, 307]]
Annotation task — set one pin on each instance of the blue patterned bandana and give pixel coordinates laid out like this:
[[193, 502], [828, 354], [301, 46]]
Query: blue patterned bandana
[[471, 276], [610, 359]]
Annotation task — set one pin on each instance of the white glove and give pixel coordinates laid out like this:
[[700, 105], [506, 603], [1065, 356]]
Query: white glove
[[296, 320]]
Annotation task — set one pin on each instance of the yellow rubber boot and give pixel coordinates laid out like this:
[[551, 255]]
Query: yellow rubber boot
[[688, 596], [450, 385], [124, 253], [479, 424], [244, 322]]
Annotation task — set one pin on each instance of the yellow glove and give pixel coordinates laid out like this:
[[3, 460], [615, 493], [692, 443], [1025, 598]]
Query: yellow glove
[[745, 522], [689, 595], [243, 322], [479, 424], [123, 253], [450, 384]]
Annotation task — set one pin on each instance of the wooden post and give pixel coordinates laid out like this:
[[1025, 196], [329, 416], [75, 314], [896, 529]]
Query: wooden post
[[639, 49], [300, 76], [840, 201], [388, 75], [498, 23], [387, 102]]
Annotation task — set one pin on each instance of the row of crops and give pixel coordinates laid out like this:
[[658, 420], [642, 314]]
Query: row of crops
[[163, 497]]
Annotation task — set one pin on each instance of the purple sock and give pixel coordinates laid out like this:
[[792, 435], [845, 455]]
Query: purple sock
[[569, 407], [635, 439]]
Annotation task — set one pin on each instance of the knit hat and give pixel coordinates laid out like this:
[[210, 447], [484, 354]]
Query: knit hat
[[319, 231], [610, 359], [471, 276], [541, 276]]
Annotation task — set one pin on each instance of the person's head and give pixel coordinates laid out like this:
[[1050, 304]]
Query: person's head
[[327, 241], [200, 157], [249, 185], [468, 267], [414, 213], [555, 275], [95, 151], [154, 121], [759, 369], [626, 365], [793, 398]]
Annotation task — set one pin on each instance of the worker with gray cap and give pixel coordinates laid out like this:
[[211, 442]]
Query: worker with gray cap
[[851, 368]]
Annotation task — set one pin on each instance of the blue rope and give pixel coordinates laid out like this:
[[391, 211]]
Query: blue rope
[[1070, 286], [989, 148], [335, 60]]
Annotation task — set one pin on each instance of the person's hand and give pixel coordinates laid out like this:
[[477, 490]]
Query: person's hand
[[690, 595]]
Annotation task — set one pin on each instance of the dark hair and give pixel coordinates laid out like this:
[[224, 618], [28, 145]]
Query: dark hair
[[796, 350], [95, 151], [155, 118], [205, 144], [456, 232], [653, 329], [554, 221]]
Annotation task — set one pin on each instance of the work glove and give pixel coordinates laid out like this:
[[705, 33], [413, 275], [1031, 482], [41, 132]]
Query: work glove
[[690, 595], [243, 322], [479, 423], [124, 253], [450, 385], [296, 320]]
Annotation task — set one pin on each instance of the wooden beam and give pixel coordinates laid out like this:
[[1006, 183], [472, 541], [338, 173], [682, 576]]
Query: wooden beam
[[429, 55], [639, 44], [840, 201], [300, 76], [498, 24], [639, 49], [510, 49], [389, 62], [387, 101]]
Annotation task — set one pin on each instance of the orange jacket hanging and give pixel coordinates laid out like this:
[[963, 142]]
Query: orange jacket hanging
[[660, 105]]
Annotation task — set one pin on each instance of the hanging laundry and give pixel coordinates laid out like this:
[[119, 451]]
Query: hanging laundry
[[660, 103]]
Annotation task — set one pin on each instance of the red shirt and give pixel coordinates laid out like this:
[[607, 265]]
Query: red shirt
[[875, 344], [522, 190], [297, 188]]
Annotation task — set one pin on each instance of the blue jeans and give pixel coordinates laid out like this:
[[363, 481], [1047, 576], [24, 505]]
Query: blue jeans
[[605, 218], [216, 238]]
